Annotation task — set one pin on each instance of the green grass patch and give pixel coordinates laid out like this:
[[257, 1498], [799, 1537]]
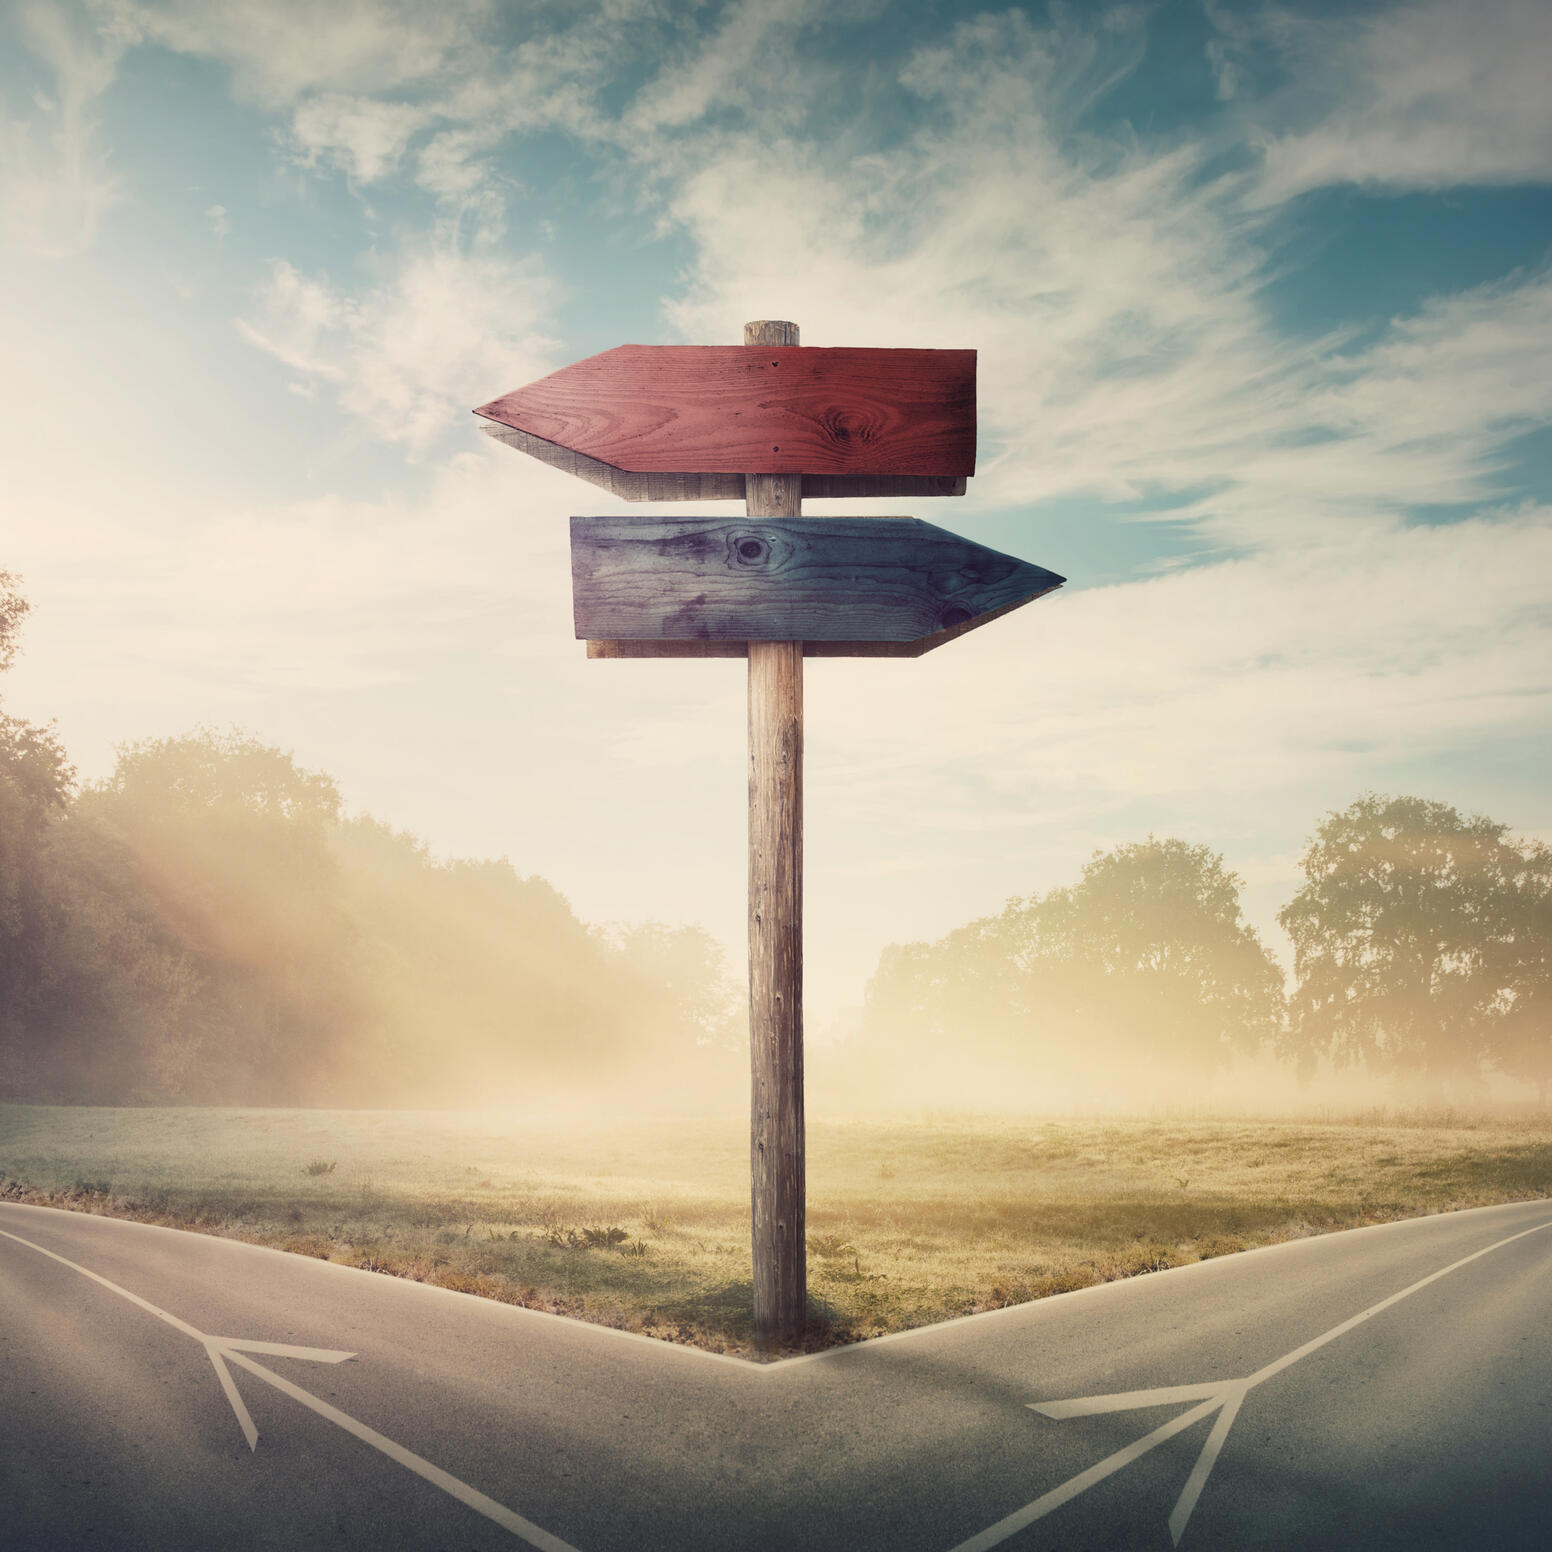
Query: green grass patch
[[645, 1227]]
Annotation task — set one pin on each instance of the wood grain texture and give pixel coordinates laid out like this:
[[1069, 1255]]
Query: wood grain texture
[[763, 408], [879, 579], [882, 649], [778, 1190], [776, 1155], [716, 487], [629, 487]]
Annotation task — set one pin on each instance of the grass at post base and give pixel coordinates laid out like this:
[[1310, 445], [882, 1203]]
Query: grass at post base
[[645, 1227]]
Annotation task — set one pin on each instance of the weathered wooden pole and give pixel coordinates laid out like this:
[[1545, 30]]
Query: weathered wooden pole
[[776, 941]]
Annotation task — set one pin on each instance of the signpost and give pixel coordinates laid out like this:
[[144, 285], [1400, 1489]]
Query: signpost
[[727, 409], [886, 579], [768, 422]]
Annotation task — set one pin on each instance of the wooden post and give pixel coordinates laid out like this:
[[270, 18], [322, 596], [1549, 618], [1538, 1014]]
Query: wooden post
[[776, 942]]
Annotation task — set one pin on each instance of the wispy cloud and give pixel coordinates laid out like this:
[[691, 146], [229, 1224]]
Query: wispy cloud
[[1116, 295], [1422, 96], [323, 594], [280, 50], [56, 180], [363, 136], [408, 354], [746, 63]]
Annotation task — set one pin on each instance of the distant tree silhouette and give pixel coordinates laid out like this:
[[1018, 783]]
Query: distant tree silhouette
[[683, 997], [1520, 1042], [1415, 943], [1161, 953], [35, 785], [1147, 959], [206, 926], [13, 610], [229, 843]]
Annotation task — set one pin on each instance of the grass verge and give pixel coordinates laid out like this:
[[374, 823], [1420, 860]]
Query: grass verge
[[646, 1227]]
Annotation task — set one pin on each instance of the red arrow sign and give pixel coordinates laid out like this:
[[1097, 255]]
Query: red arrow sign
[[745, 409]]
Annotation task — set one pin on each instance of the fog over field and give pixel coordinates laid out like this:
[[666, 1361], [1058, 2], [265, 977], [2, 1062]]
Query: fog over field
[[207, 926]]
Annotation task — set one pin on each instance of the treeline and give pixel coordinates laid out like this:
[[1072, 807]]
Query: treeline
[[207, 926], [1422, 951]]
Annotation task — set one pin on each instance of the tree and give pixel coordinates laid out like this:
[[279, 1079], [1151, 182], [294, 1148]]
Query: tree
[[118, 1018], [1520, 1040], [35, 785], [1404, 938], [680, 993], [1159, 956], [1146, 960], [229, 841], [13, 610], [32, 760]]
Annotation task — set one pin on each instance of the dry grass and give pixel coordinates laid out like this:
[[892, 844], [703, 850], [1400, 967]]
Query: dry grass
[[646, 1227]]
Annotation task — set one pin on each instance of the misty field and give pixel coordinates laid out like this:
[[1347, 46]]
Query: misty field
[[645, 1227]]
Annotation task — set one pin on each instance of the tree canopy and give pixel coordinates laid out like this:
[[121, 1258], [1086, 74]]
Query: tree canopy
[[35, 785], [1146, 961], [1420, 943], [1163, 955], [13, 610], [206, 925]]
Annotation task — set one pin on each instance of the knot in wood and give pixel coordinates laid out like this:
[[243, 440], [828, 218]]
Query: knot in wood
[[850, 428], [748, 548]]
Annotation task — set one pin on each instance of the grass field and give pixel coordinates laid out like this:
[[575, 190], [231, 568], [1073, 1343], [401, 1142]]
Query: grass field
[[646, 1227]]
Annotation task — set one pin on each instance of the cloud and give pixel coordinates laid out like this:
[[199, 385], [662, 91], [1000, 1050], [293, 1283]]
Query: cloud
[[1111, 292], [1002, 67], [364, 80], [319, 595], [1231, 702], [220, 221], [748, 62], [280, 50], [363, 136], [1428, 96], [1114, 289], [445, 328], [56, 183]]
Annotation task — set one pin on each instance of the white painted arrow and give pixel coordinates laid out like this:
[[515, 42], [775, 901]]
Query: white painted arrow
[[225, 1350], [1221, 1396], [220, 1348], [1224, 1397]]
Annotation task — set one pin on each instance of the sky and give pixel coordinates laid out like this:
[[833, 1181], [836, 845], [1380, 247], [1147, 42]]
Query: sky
[[1262, 297]]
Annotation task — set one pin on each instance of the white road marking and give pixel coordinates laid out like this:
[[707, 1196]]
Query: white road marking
[[1221, 1396], [221, 1349]]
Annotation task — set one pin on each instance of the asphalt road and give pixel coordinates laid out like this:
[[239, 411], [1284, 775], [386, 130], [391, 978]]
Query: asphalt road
[[1385, 1388]]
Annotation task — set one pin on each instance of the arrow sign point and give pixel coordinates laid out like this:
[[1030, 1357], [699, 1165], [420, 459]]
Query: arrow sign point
[[217, 1348]]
